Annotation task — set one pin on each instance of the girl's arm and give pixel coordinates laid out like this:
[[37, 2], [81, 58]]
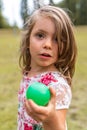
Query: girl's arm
[[57, 122], [51, 118]]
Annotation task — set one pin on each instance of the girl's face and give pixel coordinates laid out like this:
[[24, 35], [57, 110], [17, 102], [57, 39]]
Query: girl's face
[[43, 44]]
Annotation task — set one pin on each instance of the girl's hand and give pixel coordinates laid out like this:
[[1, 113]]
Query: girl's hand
[[42, 113]]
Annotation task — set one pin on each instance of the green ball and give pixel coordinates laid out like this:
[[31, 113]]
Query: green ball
[[39, 93]]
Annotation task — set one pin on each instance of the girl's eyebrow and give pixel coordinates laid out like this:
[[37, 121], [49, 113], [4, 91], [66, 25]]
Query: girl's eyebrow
[[44, 31], [41, 30]]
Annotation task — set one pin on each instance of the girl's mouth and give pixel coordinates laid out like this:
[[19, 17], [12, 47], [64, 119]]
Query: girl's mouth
[[46, 55]]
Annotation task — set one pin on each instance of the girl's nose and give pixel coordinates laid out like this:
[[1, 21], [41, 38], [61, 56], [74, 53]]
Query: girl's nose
[[47, 44]]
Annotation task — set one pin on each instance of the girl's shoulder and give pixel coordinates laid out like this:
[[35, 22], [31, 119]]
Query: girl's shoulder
[[63, 91], [56, 77]]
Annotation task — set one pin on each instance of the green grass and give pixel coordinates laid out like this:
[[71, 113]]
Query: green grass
[[10, 79]]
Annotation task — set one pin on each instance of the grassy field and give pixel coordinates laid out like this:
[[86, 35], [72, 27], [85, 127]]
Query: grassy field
[[10, 79]]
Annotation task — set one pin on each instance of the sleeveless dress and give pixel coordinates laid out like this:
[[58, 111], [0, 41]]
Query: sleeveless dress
[[63, 97]]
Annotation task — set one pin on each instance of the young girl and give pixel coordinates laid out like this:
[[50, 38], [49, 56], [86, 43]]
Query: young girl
[[48, 55]]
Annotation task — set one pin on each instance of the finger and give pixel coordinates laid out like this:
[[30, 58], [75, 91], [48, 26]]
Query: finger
[[34, 114], [36, 108], [27, 107], [29, 111]]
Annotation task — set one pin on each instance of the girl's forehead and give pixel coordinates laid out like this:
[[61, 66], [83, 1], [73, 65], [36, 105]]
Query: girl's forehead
[[44, 23]]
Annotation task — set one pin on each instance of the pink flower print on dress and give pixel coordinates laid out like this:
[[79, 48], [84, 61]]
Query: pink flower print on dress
[[48, 78], [26, 86], [26, 127], [21, 90]]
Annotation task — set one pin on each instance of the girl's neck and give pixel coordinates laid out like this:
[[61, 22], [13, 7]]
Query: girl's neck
[[37, 71]]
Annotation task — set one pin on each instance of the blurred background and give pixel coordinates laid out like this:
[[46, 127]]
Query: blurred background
[[13, 15], [14, 12]]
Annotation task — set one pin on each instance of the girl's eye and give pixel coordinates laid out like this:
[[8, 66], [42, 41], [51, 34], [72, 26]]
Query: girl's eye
[[40, 35]]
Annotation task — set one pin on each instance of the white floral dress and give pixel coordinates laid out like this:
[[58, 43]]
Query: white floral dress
[[63, 97]]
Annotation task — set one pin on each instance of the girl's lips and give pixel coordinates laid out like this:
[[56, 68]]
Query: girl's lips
[[45, 54]]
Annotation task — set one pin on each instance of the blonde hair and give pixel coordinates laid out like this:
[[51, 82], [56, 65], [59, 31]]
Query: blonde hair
[[67, 49]]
